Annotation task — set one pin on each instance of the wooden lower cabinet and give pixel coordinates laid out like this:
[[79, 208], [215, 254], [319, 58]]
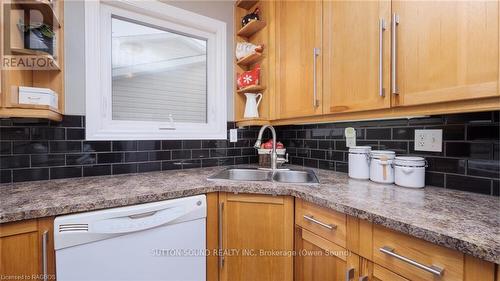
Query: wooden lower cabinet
[[27, 250], [369, 271], [256, 237], [402, 247], [318, 259]]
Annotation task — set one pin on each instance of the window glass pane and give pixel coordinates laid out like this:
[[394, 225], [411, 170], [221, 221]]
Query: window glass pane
[[157, 73]]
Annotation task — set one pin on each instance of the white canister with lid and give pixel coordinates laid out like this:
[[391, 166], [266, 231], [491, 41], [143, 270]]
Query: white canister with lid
[[409, 171], [359, 162], [381, 169]]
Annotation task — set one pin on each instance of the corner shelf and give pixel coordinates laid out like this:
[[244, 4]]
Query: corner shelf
[[257, 32], [251, 122], [251, 28], [48, 75], [251, 89], [250, 59], [32, 112], [245, 4]]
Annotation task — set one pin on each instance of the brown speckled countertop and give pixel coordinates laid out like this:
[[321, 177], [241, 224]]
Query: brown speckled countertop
[[463, 221]]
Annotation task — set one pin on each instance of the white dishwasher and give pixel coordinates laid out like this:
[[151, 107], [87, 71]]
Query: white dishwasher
[[154, 241]]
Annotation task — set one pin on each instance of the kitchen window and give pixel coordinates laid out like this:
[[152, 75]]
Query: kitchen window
[[153, 71]]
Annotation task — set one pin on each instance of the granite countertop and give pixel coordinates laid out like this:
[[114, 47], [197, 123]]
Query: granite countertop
[[463, 221]]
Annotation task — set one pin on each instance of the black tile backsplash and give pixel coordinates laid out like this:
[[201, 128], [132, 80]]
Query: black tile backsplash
[[124, 145], [96, 170], [65, 172], [483, 168], [5, 147], [148, 145], [32, 174], [14, 133], [471, 184], [48, 133], [32, 149], [47, 160], [469, 161], [35, 149], [378, 134], [478, 150], [65, 146]]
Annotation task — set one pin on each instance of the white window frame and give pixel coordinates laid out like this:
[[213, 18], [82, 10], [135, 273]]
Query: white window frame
[[98, 95]]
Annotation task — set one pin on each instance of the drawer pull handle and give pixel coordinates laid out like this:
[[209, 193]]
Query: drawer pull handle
[[432, 269], [312, 219]]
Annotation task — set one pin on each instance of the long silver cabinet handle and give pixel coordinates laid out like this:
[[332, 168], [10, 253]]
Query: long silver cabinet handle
[[45, 237], [315, 83], [221, 215], [349, 274], [381, 29], [394, 55], [313, 220], [432, 269]]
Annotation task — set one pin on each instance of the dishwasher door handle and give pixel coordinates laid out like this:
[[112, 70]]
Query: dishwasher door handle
[[139, 221]]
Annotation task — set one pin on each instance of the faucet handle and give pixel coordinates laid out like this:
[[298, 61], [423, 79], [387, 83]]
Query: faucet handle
[[282, 160], [257, 144]]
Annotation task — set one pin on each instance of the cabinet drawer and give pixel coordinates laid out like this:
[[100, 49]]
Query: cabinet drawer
[[321, 221], [414, 258]]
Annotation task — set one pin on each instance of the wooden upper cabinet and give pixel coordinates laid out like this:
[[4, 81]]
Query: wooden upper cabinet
[[251, 223], [298, 35], [356, 55], [446, 51]]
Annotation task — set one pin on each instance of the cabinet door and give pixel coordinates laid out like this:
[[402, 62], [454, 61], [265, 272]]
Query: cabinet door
[[445, 51], [369, 271], [356, 56], [318, 259], [257, 234], [298, 38], [27, 249]]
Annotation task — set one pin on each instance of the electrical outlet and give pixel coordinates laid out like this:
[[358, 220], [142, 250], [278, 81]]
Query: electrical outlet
[[233, 135], [429, 140]]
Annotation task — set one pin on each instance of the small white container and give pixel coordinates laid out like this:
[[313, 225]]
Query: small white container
[[40, 96], [359, 162], [381, 169], [409, 171]]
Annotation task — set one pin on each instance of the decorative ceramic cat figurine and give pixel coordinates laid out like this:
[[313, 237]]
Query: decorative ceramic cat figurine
[[251, 16]]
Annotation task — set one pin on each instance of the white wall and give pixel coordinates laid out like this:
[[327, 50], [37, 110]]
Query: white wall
[[74, 54]]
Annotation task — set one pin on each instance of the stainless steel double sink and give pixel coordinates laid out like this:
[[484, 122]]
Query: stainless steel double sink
[[254, 174]]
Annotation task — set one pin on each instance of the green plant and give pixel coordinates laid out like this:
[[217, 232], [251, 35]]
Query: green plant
[[43, 28]]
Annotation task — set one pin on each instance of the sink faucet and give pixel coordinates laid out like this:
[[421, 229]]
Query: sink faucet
[[274, 156]]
